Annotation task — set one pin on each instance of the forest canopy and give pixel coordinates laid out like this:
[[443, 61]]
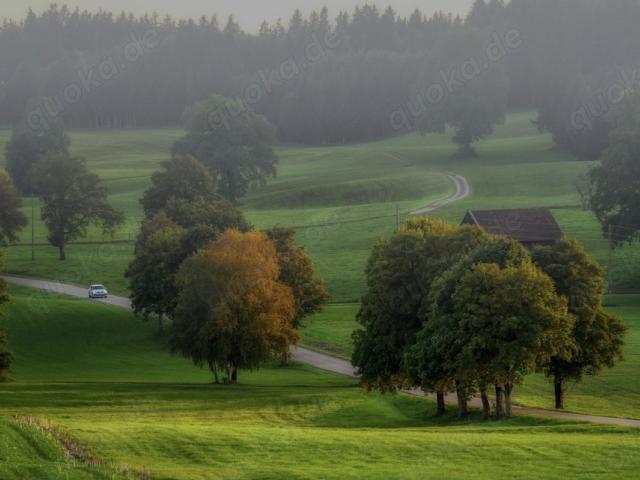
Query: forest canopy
[[332, 77]]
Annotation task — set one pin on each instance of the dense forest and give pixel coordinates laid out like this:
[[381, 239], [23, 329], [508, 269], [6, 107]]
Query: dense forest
[[332, 77]]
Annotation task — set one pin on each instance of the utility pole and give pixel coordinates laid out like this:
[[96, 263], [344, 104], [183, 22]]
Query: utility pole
[[610, 266], [33, 229]]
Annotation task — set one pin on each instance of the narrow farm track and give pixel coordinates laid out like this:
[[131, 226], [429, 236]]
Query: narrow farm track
[[463, 190], [319, 360]]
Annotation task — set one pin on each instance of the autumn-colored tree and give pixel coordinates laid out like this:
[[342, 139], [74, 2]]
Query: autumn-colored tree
[[298, 273], [599, 336], [399, 277], [72, 199], [233, 313], [168, 238], [183, 178], [11, 219]]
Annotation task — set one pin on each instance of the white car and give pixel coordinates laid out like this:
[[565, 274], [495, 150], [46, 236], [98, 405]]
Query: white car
[[98, 291]]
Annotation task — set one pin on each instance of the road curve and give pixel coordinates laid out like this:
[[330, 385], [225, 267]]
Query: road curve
[[463, 190], [318, 360]]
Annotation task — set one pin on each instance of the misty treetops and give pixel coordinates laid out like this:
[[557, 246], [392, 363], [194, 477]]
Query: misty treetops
[[334, 76]]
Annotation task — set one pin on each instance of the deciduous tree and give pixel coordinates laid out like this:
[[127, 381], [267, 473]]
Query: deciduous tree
[[183, 215], [72, 200], [436, 359], [232, 311], [182, 178], [617, 194], [298, 273], [30, 143], [510, 322], [152, 273], [232, 141], [598, 336], [11, 218], [400, 273]]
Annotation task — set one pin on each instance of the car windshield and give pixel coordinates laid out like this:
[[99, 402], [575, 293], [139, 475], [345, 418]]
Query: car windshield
[[97, 287]]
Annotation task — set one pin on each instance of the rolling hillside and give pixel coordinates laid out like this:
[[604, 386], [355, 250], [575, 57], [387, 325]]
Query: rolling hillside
[[341, 198], [99, 377]]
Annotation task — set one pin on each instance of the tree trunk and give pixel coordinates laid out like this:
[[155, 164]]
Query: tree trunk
[[463, 407], [441, 408], [499, 402], [508, 393], [160, 324], [63, 253], [486, 405], [285, 358], [234, 375], [214, 369], [558, 385]]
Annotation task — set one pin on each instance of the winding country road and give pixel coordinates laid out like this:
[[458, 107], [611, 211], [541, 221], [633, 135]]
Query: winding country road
[[315, 359], [463, 190]]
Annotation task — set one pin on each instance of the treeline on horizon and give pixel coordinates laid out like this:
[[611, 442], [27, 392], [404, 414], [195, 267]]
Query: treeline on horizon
[[357, 76]]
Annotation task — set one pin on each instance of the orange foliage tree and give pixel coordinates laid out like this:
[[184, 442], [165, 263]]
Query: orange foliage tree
[[233, 313]]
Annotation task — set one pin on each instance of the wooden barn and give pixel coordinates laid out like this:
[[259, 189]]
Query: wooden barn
[[529, 226]]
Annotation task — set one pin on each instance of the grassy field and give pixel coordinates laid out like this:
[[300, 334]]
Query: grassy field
[[342, 198], [102, 377]]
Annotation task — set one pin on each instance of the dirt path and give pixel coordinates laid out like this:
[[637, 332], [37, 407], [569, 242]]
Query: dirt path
[[318, 360], [463, 190], [462, 186]]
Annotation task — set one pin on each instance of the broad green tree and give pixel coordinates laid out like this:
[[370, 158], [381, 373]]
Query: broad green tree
[[72, 200], [434, 358], [11, 218], [233, 142], [30, 143], [598, 336], [232, 311], [510, 322], [399, 277], [617, 194], [152, 273], [181, 178]]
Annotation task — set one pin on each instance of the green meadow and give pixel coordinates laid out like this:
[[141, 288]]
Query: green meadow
[[104, 379], [341, 198]]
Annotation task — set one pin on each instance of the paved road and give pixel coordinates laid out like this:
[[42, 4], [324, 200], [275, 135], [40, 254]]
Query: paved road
[[318, 360], [463, 190]]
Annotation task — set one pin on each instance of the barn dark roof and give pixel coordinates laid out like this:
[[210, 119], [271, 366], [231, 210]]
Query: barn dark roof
[[527, 225]]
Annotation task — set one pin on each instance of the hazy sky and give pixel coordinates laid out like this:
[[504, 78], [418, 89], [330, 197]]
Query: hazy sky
[[249, 12]]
